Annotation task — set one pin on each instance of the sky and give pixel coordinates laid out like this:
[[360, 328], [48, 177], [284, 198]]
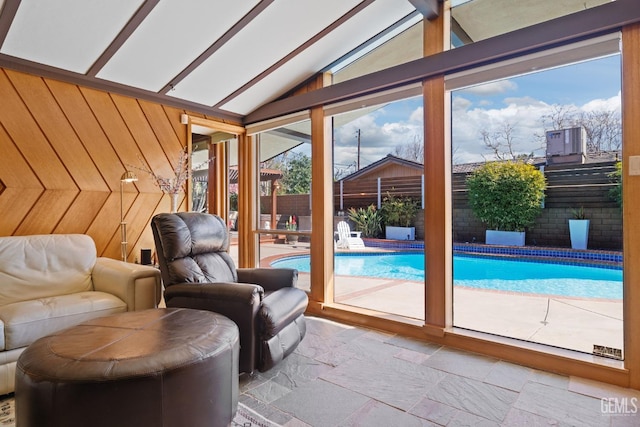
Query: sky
[[519, 101]]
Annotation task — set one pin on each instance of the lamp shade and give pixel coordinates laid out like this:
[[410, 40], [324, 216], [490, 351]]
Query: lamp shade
[[128, 176]]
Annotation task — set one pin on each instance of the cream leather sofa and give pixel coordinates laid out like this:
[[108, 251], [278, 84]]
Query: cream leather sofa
[[50, 282]]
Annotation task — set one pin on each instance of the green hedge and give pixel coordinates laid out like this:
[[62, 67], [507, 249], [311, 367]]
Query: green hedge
[[506, 196]]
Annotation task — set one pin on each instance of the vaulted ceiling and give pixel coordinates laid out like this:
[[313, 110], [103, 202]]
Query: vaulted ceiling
[[215, 56], [228, 58]]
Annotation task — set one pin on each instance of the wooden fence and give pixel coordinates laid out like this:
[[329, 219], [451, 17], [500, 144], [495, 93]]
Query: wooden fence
[[568, 186]]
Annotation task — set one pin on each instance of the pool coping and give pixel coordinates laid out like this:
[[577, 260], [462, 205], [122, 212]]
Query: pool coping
[[603, 258]]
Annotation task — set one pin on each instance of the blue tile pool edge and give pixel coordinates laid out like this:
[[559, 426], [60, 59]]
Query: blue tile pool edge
[[601, 258]]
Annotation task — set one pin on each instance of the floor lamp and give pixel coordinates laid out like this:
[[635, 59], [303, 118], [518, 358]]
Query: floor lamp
[[128, 176]]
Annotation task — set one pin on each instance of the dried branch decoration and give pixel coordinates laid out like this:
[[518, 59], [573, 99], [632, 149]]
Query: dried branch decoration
[[174, 184]]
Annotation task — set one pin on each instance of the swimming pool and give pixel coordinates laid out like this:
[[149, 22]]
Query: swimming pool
[[503, 274]]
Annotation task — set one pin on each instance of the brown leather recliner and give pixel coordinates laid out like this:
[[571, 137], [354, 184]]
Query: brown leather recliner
[[198, 273]]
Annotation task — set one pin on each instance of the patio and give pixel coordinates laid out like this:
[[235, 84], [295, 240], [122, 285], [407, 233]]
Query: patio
[[552, 320]]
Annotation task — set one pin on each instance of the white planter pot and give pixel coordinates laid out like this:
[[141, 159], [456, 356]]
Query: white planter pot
[[504, 238], [400, 233], [579, 232]]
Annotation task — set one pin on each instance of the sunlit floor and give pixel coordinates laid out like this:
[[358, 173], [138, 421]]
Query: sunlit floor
[[342, 375]]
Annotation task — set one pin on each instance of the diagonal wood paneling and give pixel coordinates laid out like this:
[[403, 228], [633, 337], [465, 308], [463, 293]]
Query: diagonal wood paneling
[[47, 212], [64, 148], [58, 131], [25, 133], [82, 119]]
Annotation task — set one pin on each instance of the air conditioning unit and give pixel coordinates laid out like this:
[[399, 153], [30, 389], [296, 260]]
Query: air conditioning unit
[[567, 145]]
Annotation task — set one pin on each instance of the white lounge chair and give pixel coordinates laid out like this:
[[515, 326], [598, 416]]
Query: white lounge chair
[[348, 239]]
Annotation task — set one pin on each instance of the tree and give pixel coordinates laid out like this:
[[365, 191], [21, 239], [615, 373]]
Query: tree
[[506, 196], [413, 151], [502, 143], [603, 127], [604, 130], [340, 171], [296, 175]]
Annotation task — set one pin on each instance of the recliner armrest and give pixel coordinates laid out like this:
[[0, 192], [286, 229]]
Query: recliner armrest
[[271, 279], [139, 286], [239, 302], [222, 292]]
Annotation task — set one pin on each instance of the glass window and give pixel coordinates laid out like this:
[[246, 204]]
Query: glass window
[[285, 198], [378, 203], [558, 285]]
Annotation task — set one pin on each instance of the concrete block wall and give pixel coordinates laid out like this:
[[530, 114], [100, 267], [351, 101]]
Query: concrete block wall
[[551, 228]]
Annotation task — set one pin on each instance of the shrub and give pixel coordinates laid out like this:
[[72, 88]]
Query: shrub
[[233, 201], [616, 192], [398, 211], [368, 221], [506, 196]]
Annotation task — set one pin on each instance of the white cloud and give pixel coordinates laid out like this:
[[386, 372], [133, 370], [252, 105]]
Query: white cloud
[[525, 101], [612, 103], [523, 114], [376, 140], [460, 103], [379, 137], [417, 116]]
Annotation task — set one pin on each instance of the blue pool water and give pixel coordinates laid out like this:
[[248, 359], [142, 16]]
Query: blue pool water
[[482, 272]]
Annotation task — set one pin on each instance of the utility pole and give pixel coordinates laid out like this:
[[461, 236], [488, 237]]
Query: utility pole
[[358, 164]]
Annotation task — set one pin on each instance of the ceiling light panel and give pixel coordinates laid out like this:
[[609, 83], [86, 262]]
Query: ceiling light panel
[[67, 34], [380, 15], [280, 29], [174, 34]]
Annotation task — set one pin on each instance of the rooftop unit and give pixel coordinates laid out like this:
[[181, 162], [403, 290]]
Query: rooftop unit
[[567, 145]]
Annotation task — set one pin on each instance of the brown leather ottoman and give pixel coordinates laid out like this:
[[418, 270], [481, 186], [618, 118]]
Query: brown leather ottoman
[[159, 367]]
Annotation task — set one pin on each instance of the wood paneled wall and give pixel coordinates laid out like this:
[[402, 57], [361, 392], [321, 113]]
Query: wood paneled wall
[[63, 149]]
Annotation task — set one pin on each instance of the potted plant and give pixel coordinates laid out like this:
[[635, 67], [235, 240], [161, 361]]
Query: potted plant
[[398, 216], [368, 221], [292, 225], [507, 197], [579, 229]]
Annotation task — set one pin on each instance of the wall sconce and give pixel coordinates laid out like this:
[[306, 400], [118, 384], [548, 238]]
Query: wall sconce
[[128, 176]]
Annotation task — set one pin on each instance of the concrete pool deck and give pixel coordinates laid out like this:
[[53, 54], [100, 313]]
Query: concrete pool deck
[[551, 320]]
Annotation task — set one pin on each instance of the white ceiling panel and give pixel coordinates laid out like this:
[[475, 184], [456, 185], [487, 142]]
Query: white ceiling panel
[[67, 34], [280, 29], [194, 53], [365, 25], [174, 34]]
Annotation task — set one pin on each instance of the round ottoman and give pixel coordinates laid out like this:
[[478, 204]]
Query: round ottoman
[[158, 367]]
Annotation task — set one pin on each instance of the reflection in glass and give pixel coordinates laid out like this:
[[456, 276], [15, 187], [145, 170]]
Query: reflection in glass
[[474, 20]]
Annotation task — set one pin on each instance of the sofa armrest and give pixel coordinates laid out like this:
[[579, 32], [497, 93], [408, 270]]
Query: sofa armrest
[[238, 301], [139, 286], [271, 279]]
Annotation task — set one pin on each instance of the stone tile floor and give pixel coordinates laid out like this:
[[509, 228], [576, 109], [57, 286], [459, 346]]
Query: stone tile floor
[[350, 376]]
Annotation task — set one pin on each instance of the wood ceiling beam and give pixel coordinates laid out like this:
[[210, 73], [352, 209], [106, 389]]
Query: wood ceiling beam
[[143, 11], [7, 14], [233, 31], [564, 30]]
